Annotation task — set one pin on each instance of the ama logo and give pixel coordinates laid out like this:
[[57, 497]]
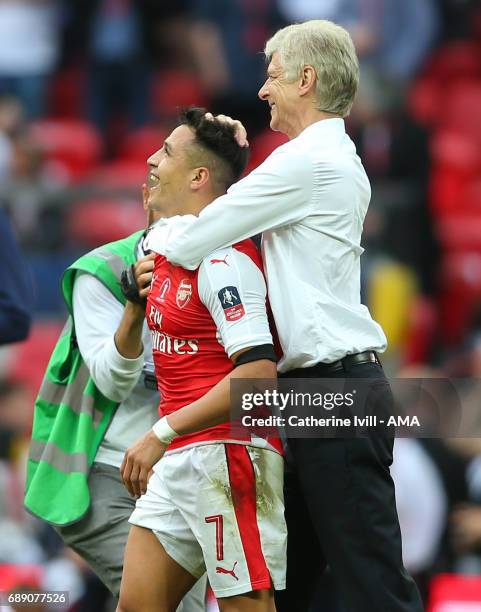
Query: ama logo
[[231, 303]]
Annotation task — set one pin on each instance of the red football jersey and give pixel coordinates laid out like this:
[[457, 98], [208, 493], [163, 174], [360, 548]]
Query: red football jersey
[[198, 319]]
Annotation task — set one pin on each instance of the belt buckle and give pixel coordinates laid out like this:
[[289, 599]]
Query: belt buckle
[[337, 366]]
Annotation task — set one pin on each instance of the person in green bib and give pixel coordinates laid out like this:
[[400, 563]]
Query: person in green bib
[[99, 395]]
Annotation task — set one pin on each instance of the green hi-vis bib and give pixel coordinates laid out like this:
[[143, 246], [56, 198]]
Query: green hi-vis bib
[[71, 415]]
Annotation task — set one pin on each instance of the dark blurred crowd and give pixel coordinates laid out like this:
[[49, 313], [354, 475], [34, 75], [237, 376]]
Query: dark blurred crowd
[[89, 89]]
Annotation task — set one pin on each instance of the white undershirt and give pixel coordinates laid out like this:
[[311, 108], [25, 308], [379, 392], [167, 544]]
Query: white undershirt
[[97, 314]]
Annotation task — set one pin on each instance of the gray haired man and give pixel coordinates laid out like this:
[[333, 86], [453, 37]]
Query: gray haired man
[[309, 198]]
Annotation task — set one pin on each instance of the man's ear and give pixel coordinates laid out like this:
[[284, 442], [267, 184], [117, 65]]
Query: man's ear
[[307, 81], [199, 178]]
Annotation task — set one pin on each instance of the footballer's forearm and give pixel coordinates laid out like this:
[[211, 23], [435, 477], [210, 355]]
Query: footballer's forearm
[[128, 337], [213, 408]]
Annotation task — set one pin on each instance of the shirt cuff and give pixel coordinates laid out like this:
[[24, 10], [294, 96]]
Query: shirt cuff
[[122, 364]]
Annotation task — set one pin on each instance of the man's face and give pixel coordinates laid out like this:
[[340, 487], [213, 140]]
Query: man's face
[[281, 95], [170, 173]]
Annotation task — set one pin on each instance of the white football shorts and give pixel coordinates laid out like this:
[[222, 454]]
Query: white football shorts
[[220, 508]]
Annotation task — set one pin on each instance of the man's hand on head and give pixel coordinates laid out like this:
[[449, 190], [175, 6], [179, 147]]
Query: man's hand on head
[[240, 131], [138, 462]]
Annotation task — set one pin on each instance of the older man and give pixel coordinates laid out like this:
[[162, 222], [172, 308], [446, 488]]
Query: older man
[[309, 198]]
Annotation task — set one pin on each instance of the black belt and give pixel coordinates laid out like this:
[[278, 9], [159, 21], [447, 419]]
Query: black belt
[[345, 364], [351, 360]]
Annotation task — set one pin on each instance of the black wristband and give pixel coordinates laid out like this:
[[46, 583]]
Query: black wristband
[[129, 288], [264, 351]]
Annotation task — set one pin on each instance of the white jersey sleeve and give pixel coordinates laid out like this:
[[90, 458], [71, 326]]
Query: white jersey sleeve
[[233, 289]]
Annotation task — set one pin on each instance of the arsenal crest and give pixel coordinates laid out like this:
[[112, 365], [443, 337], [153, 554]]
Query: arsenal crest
[[184, 293]]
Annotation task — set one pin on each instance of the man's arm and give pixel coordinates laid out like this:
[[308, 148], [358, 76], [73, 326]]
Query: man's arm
[[241, 320], [110, 336], [211, 409], [276, 194], [128, 337]]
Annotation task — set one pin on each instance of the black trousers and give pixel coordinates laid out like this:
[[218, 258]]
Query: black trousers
[[340, 511]]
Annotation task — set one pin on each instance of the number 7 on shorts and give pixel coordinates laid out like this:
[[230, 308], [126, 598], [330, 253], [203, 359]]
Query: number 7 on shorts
[[219, 528]]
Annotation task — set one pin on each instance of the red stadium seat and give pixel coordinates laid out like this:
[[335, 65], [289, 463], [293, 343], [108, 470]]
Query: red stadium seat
[[75, 145], [423, 100], [460, 58], [263, 145], [96, 221], [27, 360], [460, 293], [461, 105], [66, 96], [455, 593], [460, 231], [456, 150], [174, 89], [456, 161], [445, 187], [15, 576], [453, 194], [421, 331], [140, 144], [471, 195], [120, 174]]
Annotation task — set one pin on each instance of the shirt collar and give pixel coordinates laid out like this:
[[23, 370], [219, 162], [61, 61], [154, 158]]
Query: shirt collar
[[334, 125]]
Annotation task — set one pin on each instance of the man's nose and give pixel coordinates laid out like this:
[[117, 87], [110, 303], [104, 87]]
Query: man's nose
[[154, 159], [263, 92]]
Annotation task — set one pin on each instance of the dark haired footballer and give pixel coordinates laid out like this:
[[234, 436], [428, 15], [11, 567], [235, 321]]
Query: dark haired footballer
[[214, 501]]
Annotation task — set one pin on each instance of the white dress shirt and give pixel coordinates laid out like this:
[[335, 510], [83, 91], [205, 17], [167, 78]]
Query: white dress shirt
[[309, 198], [97, 314]]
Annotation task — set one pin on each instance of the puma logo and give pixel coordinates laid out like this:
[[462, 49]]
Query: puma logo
[[214, 261], [222, 570]]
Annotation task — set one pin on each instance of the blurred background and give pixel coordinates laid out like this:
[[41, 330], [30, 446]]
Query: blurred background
[[90, 88]]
